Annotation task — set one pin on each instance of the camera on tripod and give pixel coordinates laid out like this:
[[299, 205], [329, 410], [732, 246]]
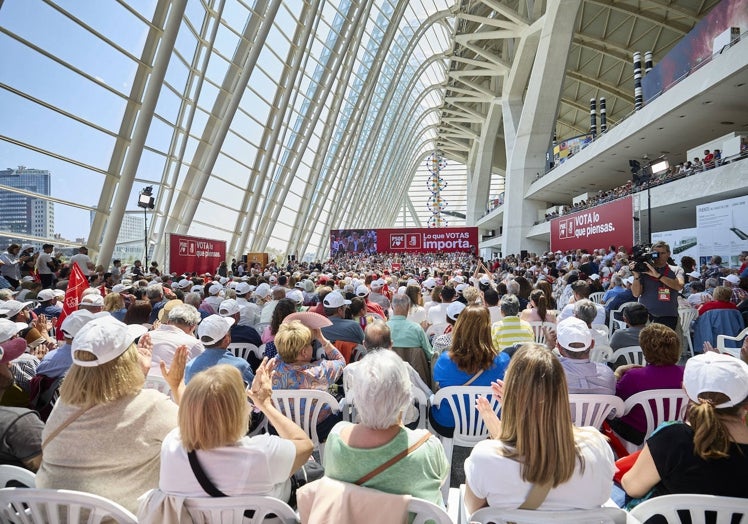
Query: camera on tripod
[[643, 254]]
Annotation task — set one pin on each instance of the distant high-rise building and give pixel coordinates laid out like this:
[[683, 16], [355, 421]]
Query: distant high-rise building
[[129, 246], [26, 215]]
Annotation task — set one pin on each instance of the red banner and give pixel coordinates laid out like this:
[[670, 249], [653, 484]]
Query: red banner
[[413, 240], [598, 227], [77, 284], [195, 254]]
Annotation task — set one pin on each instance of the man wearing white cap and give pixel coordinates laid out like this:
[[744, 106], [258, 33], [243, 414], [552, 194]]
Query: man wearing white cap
[[574, 341], [215, 333], [371, 307], [708, 454], [266, 315], [335, 305], [377, 296], [249, 311], [57, 362], [241, 334], [48, 305], [732, 282]]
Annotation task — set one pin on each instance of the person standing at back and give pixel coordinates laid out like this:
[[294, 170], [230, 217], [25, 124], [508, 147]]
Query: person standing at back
[[657, 288]]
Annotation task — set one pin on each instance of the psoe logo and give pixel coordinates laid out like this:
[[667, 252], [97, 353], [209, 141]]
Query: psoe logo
[[187, 247], [414, 240], [397, 241]]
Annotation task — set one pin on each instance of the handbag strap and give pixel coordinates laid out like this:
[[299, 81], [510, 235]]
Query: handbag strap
[[202, 478], [472, 379], [376, 471], [537, 495], [65, 424]]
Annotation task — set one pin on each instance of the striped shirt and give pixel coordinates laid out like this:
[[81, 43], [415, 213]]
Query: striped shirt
[[510, 331]]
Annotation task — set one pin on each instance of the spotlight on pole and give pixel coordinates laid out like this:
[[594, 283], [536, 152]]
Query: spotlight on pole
[[146, 201]]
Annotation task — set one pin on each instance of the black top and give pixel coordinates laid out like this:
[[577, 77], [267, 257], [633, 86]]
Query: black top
[[682, 471]]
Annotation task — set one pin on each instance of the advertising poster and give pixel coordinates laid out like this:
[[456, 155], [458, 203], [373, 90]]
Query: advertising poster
[[594, 228], [412, 240], [194, 254], [682, 242], [722, 229]]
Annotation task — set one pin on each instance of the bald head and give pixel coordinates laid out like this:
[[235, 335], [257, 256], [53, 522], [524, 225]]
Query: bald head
[[377, 335]]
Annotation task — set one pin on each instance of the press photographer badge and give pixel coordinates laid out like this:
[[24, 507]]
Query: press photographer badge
[[663, 294]]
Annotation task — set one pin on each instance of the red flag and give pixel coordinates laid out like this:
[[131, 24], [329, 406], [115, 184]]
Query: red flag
[[102, 290], [77, 283]]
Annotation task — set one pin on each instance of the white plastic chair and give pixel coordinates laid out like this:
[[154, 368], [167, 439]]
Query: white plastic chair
[[592, 410], [660, 405], [23, 476], [528, 516], [288, 401], [616, 322], [426, 511], [469, 425], [538, 328], [157, 383], [632, 355], [687, 315], [722, 346], [695, 505], [214, 510], [601, 354], [597, 297], [53, 506], [243, 350]]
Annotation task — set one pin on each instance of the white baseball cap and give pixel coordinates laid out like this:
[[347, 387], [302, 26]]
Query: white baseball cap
[[184, 283], [228, 307], [45, 294], [460, 288], [119, 288], [8, 328], [573, 331], [10, 308], [362, 290], [377, 284], [106, 338], [77, 319], [242, 288], [716, 373], [295, 295], [732, 279], [213, 328], [215, 289], [263, 290], [335, 300], [454, 309], [92, 300]]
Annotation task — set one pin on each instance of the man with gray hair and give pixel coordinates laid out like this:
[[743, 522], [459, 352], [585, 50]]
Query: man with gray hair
[[510, 329], [177, 328], [155, 295], [406, 333], [586, 311]]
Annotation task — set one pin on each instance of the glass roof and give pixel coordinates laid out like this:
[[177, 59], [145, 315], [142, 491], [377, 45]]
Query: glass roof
[[263, 123]]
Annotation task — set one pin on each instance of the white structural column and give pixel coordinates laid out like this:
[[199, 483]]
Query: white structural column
[[481, 166], [140, 132], [531, 137], [232, 89]]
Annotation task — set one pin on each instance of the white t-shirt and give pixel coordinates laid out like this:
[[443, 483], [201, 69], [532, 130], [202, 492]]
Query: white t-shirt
[[498, 479], [83, 261], [42, 263], [438, 313], [258, 465]]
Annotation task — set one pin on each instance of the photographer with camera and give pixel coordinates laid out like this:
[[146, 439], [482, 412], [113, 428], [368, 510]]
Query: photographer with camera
[[657, 283]]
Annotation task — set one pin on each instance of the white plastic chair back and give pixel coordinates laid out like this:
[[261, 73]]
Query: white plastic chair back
[[311, 402], [616, 317], [528, 516], [632, 355], [602, 329], [157, 383], [359, 352], [243, 350], [23, 476], [540, 328], [722, 509], [660, 405], [686, 315], [722, 347], [229, 510], [469, 426], [601, 354], [426, 511], [592, 410], [55, 506], [597, 297]]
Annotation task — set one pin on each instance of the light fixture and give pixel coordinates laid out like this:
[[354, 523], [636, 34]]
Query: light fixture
[[145, 198], [660, 167]]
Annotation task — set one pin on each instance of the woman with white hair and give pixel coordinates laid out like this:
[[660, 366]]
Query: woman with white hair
[[381, 391]]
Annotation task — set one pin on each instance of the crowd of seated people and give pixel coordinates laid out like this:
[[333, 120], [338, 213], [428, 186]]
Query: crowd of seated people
[[484, 316]]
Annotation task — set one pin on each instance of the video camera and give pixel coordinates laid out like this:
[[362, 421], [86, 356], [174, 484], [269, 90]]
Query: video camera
[[643, 254]]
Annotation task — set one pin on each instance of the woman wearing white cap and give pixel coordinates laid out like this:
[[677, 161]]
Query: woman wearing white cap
[[104, 434], [709, 454]]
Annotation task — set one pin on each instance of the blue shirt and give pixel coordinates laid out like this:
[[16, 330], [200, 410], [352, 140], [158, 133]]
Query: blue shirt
[[612, 293], [56, 363], [344, 329], [213, 357], [245, 335], [50, 311], [446, 373]]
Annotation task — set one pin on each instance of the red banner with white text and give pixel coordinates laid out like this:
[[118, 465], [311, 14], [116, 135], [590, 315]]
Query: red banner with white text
[[594, 228], [194, 254], [411, 240]]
